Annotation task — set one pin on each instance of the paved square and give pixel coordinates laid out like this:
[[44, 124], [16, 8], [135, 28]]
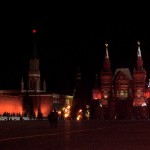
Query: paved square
[[75, 135]]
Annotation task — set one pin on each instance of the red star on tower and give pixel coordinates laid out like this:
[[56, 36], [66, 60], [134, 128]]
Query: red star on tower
[[34, 31]]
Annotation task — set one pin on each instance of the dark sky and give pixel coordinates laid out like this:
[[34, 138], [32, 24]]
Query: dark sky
[[67, 38]]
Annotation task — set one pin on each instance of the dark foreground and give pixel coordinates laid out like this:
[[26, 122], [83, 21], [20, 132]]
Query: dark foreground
[[75, 135]]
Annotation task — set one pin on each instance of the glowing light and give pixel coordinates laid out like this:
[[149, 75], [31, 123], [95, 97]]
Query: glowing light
[[66, 111], [68, 107], [59, 112], [79, 114], [105, 96], [66, 115], [34, 31], [78, 117], [144, 104], [80, 110]]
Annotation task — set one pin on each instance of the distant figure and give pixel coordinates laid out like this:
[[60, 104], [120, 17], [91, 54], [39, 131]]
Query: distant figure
[[50, 119], [53, 118]]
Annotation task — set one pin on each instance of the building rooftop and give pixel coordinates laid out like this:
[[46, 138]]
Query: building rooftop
[[125, 71]]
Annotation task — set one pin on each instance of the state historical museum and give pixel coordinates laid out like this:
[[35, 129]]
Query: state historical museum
[[124, 94]]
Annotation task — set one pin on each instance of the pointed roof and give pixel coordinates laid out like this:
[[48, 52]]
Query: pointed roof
[[139, 58], [139, 51], [106, 55], [125, 71], [106, 64], [34, 31]]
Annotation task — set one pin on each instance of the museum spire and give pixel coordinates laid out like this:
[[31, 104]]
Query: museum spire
[[139, 51], [106, 61], [106, 55], [139, 58]]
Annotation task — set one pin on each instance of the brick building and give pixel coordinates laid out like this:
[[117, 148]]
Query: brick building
[[122, 94]]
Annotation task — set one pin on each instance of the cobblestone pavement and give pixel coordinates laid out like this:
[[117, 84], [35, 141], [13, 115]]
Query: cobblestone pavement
[[75, 135]]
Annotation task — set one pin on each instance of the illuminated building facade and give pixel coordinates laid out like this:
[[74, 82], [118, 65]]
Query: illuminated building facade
[[122, 94]]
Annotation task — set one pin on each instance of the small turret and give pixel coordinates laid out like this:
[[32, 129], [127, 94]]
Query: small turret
[[22, 85], [44, 86]]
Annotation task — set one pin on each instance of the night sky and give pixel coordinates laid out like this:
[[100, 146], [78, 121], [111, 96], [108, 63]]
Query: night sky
[[67, 39]]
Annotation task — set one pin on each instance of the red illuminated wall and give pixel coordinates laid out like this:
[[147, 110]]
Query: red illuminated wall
[[96, 94], [11, 104], [45, 103], [46, 106]]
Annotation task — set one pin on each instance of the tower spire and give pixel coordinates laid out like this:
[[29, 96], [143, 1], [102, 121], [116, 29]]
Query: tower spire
[[139, 80], [139, 51], [106, 56], [44, 86], [34, 31], [22, 85], [139, 58], [106, 64], [34, 70], [105, 80]]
